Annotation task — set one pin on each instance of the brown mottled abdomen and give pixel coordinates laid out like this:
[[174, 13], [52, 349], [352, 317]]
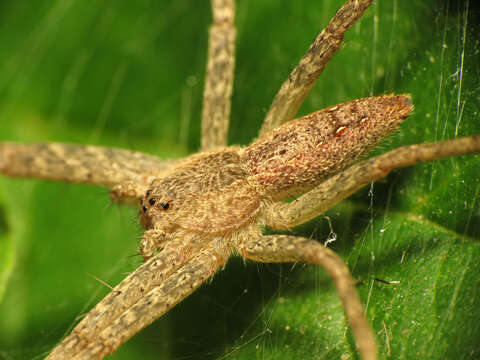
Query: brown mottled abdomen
[[301, 153]]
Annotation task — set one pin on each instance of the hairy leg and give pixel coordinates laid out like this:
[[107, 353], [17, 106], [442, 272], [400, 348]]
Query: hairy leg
[[219, 76], [93, 165], [285, 248], [345, 183], [149, 292], [300, 81]]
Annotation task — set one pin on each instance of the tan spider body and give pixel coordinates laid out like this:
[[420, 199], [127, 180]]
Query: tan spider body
[[223, 192], [200, 210]]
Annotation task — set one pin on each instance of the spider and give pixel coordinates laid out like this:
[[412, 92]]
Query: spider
[[168, 203]]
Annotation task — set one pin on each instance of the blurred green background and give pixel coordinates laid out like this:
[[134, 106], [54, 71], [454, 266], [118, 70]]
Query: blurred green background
[[130, 74]]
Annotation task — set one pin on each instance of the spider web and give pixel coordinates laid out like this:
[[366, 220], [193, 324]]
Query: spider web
[[130, 75]]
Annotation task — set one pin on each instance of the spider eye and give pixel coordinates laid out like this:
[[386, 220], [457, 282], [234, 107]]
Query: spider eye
[[151, 201], [165, 205], [149, 192]]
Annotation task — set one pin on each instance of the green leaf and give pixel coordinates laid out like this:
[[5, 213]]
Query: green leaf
[[130, 74], [7, 253]]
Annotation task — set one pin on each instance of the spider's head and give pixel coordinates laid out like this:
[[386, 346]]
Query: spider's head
[[209, 194], [153, 206]]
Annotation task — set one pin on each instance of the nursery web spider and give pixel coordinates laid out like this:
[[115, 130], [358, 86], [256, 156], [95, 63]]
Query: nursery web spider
[[199, 210]]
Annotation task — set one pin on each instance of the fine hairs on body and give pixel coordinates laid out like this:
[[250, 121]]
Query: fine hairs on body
[[198, 210]]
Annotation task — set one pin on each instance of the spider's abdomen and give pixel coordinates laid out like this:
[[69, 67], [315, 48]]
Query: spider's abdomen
[[301, 153]]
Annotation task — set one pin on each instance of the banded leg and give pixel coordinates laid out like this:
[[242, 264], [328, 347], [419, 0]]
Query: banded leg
[[285, 248], [219, 75], [149, 292], [296, 87], [345, 183], [93, 165]]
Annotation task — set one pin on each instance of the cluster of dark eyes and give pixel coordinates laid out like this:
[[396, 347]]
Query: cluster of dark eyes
[[152, 201]]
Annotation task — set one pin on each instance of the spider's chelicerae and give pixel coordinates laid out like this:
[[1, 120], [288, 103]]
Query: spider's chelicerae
[[199, 210]]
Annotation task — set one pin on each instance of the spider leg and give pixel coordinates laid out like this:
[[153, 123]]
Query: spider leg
[[286, 248], [93, 165], [345, 183], [219, 75], [149, 292], [296, 87], [124, 296]]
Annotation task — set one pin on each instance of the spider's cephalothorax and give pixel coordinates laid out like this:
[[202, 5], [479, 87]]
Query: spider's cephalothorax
[[198, 211], [207, 194]]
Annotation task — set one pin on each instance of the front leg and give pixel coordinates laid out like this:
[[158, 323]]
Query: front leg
[[144, 295], [94, 165]]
